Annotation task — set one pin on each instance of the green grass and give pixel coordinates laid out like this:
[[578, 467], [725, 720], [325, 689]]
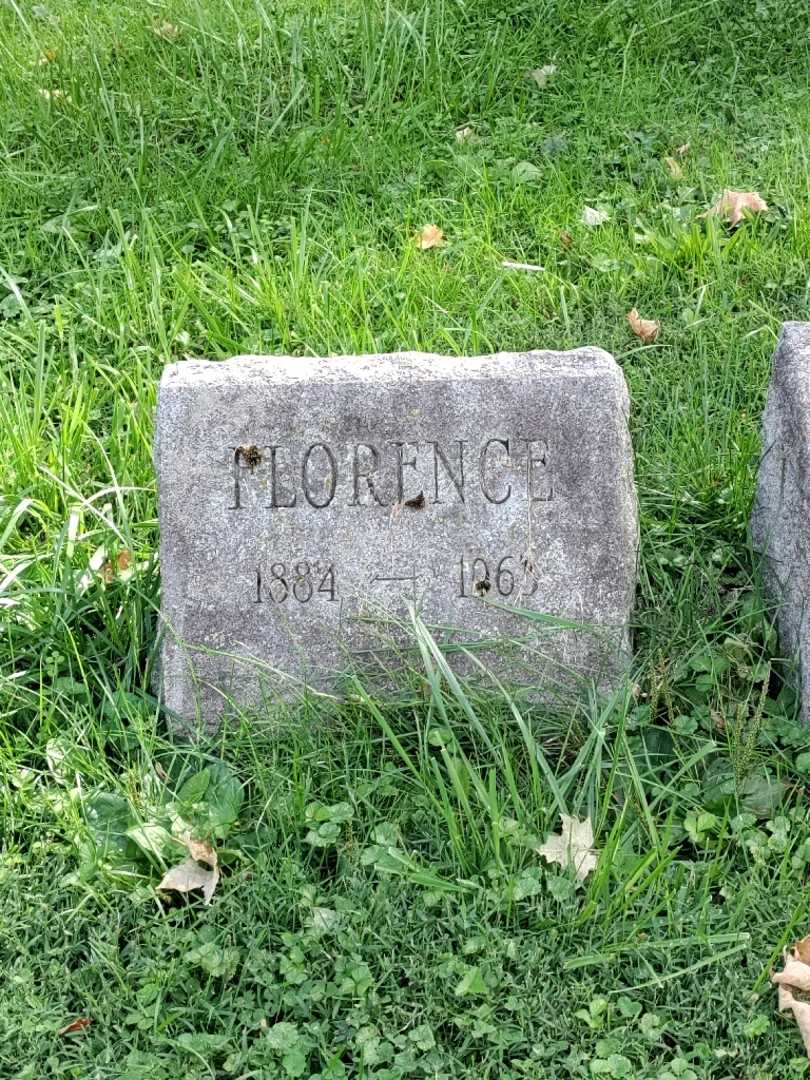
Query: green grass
[[253, 182]]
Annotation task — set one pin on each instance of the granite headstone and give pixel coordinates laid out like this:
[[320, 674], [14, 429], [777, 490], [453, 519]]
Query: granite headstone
[[304, 502], [780, 523]]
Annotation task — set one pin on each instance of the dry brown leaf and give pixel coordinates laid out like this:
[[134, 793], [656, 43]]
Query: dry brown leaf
[[646, 329], [431, 236], [795, 974], [189, 875], [732, 205], [75, 1025], [122, 562], [800, 950], [673, 168], [801, 1011], [572, 846], [202, 851]]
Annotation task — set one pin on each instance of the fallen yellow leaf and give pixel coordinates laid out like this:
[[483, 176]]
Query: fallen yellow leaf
[[673, 168], [732, 205], [646, 329], [431, 236], [572, 846]]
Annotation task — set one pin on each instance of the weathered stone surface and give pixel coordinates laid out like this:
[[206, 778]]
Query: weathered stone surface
[[300, 496], [780, 523]]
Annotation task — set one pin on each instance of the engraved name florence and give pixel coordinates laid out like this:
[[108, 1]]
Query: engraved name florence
[[386, 474], [397, 476]]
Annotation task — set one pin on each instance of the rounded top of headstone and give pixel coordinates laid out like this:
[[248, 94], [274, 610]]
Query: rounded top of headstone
[[406, 366]]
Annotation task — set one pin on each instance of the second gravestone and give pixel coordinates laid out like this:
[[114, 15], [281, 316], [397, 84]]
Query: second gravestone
[[303, 500], [780, 523]]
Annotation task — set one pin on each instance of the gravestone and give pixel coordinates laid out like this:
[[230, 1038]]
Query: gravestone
[[308, 507], [780, 523]]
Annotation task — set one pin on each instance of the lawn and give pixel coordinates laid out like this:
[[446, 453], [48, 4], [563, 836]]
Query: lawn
[[207, 177]]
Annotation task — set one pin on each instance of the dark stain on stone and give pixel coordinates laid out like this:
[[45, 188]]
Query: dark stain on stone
[[250, 455]]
